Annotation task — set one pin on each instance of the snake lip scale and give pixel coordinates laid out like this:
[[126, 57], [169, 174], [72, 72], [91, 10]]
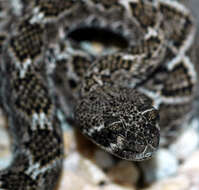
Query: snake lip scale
[[130, 98]]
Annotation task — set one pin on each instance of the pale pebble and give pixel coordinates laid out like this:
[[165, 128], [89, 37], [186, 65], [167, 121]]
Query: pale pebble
[[69, 142], [5, 161], [162, 165], [71, 162], [187, 143], [117, 187], [103, 159], [72, 181], [176, 183], [124, 173], [90, 171], [85, 168], [5, 153], [183, 181], [192, 163]]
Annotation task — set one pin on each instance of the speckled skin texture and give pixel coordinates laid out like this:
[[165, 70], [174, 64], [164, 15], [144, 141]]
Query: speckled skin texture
[[124, 101]]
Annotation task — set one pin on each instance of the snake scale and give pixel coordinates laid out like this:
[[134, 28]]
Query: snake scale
[[125, 101]]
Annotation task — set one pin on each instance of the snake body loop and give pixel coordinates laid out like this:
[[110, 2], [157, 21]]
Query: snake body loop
[[124, 100]]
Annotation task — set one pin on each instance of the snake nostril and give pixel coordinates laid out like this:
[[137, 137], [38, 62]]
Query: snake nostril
[[139, 148]]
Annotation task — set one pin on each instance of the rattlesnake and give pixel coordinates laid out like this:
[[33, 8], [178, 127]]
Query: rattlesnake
[[123, 100]]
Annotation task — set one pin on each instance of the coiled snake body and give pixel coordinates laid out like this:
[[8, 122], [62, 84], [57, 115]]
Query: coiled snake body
[[122, 100]]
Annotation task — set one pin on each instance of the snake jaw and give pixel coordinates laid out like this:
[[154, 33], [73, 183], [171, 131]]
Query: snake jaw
[[128, 149], [137, 147]]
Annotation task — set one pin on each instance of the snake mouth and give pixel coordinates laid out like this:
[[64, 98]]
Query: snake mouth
[[105, 39], [130, 155]]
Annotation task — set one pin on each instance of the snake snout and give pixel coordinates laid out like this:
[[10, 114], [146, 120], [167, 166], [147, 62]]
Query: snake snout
[[138, 147]]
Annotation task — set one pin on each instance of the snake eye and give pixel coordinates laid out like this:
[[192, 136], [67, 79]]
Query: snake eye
[[110, 120]]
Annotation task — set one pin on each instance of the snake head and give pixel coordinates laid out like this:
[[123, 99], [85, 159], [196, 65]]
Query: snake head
[[121, 121]]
